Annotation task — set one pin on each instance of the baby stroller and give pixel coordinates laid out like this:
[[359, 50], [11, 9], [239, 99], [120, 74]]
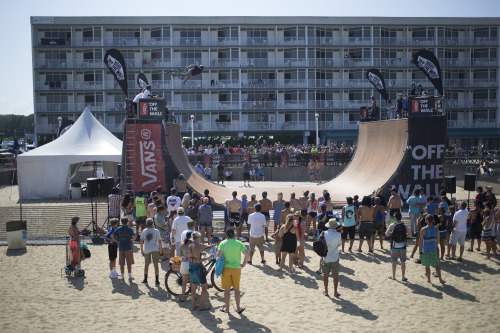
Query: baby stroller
[[73, 259]]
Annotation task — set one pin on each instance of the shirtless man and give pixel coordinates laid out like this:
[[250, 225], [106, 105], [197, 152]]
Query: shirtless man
[[311, 170], [327, 201], [234, 213], [394, 204], [266, 205], [294, 203], [318, 167], [285, 212], [303, 204], [151, 209]]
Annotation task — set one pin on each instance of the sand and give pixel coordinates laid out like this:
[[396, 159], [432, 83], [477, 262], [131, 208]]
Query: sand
[[35, 298]]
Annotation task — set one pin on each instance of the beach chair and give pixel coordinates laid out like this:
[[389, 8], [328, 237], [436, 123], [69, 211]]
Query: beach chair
[[73, 259]]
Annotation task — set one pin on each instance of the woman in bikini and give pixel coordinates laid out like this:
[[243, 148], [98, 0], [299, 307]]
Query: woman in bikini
[[196, 271], [289, 237]]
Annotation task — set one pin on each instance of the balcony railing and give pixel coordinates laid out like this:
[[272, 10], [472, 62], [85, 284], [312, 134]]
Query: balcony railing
[[473, 124], [471, 103]]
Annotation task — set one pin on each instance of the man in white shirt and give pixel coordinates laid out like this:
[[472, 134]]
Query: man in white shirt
[[173, 201], [146, 92], [459, 231], [190, 229], [150, 247], [330, 263], [257, 223], [178, 226]]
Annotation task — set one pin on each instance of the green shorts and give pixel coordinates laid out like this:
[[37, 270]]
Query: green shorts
[[330, 267], [430, 259], [378, 228]]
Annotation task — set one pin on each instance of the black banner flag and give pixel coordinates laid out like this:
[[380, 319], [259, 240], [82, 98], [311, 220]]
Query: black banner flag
[[429, 65], [142, 80], [116, 64], [376, 78]]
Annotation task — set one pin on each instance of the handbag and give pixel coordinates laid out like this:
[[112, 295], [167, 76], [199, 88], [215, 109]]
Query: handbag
[[219, 264]]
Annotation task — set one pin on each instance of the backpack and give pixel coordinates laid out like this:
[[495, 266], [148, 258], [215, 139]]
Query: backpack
[[399, 233], [320, 246], [191, 211]]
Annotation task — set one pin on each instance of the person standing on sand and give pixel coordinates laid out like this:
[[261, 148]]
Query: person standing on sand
[[312, 214], [429, 239], [399, 234], [303, 204], [349, 220], [196, 275], [394, 203], [231, 275], [365, 212], [140, 212], [151, 250], [279, 206], [488, 226], [301, 239], [475, 223], [288, 242], [125, 236], [257, 222], [234, 212], [331, 263], [266, 206], [285, 212], [415, 205], [459, 231], [378, 223], [294, 203], [205, 216]]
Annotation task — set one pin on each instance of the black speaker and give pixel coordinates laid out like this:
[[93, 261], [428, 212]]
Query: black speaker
[[93, 187], [470, 182], [451, 184]]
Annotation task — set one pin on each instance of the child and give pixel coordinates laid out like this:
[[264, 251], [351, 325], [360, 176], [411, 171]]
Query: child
[[161, 223], [112, 249], [125, 236], [150, 247], [431, 206], [277, 245]]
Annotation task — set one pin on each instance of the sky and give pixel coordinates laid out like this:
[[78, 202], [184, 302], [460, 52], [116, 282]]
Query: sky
[[16, 54]]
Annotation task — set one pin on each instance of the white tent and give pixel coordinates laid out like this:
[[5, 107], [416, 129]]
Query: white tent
[[44, 172]]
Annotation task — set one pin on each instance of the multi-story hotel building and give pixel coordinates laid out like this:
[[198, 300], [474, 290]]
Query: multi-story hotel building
[[266, 75]]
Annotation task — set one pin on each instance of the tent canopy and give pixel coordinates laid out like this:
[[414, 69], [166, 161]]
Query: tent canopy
[[43, 173]]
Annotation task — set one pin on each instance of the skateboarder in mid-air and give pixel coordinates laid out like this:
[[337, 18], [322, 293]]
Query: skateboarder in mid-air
[[191, 70]]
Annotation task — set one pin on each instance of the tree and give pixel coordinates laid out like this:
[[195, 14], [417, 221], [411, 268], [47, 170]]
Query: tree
[[13, 122]]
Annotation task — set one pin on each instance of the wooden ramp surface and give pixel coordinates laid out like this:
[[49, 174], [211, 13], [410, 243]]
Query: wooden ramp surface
[[380, 151]]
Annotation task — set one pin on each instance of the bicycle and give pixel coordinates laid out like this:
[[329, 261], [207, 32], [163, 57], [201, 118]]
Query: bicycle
[[173, 279]]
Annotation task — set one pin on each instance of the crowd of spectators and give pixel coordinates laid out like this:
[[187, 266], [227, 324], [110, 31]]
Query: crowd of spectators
[[277, 148]]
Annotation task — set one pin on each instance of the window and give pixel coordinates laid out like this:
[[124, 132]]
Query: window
[[160, 32], [190, 33], [257, 33], [93, 54], [423, 33], [57, 98], [92, 77], [191, 57], [93, 33], [63, 33], [126, 33]]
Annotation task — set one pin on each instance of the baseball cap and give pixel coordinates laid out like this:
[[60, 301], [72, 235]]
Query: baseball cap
[[75, 219], [264, 193], [180, 210]]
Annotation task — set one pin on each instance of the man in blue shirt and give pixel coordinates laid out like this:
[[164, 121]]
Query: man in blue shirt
[[246, 173], [414, 207], [125, 236], [331, 261]]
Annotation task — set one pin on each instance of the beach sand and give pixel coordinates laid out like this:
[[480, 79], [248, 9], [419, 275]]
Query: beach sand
[[35, 298]]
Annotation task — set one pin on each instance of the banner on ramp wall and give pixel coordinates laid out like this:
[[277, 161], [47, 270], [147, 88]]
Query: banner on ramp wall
[[422, 164], [149, 168]]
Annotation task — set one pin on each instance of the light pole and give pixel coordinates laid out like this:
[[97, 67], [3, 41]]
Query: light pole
[[192, 130], [316, 116]]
